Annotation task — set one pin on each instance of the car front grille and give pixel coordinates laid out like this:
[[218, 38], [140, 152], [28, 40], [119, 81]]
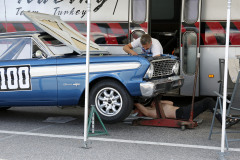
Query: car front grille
[[163, 67]]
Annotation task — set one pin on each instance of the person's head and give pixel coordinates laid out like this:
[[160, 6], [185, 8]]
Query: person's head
[[146, 41]]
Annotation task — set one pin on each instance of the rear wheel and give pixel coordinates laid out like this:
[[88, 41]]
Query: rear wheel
[[112, 100]]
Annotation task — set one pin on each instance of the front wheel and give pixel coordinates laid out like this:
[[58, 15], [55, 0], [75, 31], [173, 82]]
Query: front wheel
[[112, 100]]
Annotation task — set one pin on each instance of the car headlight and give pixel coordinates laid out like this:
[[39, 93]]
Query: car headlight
[[175, 68], [149, 73]]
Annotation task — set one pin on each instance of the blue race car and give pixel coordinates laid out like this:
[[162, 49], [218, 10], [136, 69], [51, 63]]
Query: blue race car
[[48, 69]]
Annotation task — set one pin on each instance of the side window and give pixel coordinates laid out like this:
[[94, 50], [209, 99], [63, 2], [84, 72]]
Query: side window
[[189, 52], [139, 11], [191, 10], [15, 48], [36, 49], [4, 45]]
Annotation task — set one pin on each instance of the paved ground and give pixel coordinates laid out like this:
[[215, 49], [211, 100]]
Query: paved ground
[[24, 136]]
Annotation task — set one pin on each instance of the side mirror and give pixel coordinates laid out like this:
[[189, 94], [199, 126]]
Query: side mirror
[[39, 54]]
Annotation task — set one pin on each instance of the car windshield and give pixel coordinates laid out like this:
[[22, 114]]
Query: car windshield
[[57, 47]]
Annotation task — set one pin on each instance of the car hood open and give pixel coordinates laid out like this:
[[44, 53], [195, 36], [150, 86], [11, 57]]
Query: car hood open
[[57, 28]]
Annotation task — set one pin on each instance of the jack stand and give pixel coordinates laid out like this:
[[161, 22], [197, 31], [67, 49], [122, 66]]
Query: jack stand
[[91, 120], [162, 121]]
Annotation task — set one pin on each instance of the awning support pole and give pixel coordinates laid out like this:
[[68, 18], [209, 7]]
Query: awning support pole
[[87, 74], [222, 155]]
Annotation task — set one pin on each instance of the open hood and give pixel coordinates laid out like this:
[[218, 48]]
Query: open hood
[[57, 28]]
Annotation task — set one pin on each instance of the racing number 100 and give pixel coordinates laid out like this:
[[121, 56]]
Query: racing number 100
[[14, 78]]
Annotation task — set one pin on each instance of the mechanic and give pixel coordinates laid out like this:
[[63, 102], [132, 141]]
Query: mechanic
[[175, 112], [148, 45]]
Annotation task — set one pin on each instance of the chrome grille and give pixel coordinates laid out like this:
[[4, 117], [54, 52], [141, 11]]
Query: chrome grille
[[163, 67]]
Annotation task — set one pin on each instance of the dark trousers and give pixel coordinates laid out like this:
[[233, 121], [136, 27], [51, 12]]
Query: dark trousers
[[199, 107]]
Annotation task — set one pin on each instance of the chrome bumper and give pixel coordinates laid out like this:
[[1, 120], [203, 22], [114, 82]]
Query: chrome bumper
[[155, 87]]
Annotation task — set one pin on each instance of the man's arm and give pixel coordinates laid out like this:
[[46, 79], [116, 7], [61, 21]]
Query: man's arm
[[128, 48], [166, 102], [147, 112]]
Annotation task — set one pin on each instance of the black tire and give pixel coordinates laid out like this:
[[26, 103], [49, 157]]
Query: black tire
[[116, 103], [4, 108]]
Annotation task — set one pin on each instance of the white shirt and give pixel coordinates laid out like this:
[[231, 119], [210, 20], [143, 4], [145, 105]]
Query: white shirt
[[155, 49]]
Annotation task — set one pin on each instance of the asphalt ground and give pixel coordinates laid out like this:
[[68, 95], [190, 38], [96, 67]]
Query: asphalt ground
[[25, 135]]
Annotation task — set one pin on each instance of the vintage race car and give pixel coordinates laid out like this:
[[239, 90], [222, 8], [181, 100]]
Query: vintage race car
[[48, 69]]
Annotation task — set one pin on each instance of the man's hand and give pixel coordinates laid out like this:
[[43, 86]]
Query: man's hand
[[128, 49], [157, 55]]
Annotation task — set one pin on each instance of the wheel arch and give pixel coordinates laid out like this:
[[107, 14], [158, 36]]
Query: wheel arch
[[95, 81]]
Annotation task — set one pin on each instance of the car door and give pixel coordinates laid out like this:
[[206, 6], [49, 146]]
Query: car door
[[25, 80], [70, 86], [190, 40]]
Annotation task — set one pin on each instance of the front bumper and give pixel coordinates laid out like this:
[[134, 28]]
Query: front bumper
[[155, 87]]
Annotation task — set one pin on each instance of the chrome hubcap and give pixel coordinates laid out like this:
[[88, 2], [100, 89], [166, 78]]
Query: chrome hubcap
[[108, 101]]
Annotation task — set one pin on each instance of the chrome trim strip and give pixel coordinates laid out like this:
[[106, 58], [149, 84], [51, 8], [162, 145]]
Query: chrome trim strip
[[73, 69], [78, 69]]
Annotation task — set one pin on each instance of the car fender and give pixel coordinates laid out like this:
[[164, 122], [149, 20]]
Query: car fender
[[126, 80]]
